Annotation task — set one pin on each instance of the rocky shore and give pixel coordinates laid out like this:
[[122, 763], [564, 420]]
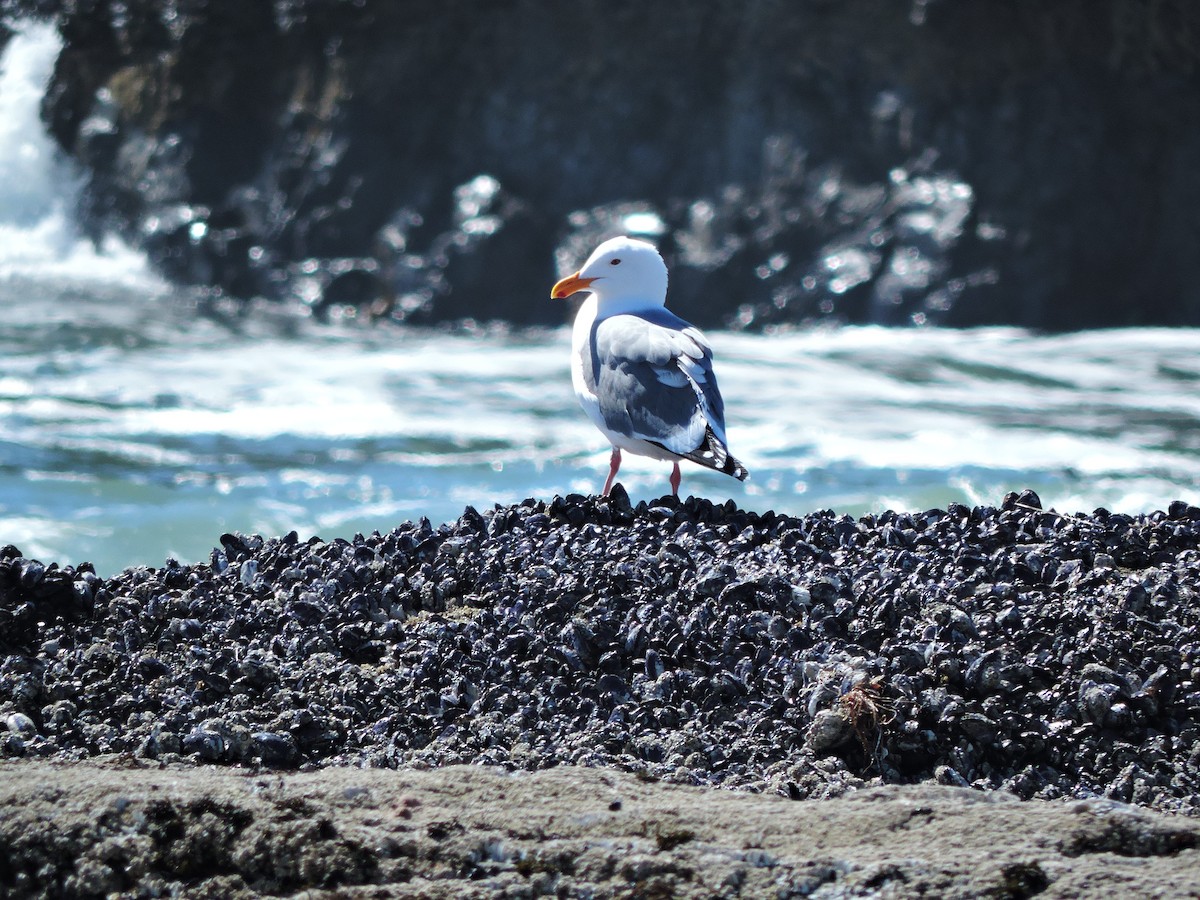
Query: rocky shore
[[1014, 650], [1005, 648]]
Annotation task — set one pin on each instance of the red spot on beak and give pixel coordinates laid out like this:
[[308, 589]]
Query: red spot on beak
[[572, 284]]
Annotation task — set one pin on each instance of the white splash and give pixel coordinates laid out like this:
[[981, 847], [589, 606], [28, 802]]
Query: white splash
[[39, 188]]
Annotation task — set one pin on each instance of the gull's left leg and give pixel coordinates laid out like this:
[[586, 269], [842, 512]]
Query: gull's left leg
[[675, 479], [614, 463]]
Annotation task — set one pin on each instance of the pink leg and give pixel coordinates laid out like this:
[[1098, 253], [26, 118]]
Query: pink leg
[[675, 479], [614, 463]]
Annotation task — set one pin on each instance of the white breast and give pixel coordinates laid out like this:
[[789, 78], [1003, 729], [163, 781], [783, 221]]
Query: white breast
[[581, 355]]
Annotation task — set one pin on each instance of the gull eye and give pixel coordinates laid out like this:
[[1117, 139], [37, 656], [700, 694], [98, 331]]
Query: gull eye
[[615, 262]]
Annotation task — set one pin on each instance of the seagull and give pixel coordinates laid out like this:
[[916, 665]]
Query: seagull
[[643, 375]]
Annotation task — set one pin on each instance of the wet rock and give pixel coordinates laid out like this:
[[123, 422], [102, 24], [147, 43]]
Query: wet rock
[[21, 725], [829, 729]]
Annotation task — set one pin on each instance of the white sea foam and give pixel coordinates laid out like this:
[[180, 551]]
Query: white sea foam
[[39, 188], [336, 431], [1107, 402]]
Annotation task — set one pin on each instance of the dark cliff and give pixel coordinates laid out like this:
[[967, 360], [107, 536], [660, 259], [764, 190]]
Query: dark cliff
[[956, 163]]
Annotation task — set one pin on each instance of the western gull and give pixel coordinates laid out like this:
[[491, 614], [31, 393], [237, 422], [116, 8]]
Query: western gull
[[643, 375]]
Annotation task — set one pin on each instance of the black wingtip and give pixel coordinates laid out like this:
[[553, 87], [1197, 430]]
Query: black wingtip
[[714, 455], [735, 468]]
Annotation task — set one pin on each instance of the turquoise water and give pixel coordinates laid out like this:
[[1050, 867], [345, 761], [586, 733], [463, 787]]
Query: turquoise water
[[133, 428]]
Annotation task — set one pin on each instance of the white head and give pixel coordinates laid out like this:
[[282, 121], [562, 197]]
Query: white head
[[620, 272]]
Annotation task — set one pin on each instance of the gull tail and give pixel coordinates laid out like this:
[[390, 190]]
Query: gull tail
[[713, 454]]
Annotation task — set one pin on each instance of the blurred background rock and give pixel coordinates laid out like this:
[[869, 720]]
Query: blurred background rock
[[955, 163]]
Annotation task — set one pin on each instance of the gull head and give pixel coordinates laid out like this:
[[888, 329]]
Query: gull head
[[622, 271]]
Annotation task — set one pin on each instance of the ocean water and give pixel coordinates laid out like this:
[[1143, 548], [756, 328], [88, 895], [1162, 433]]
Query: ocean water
[[134, 427]]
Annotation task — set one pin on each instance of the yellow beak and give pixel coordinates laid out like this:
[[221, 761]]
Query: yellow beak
[[570, 285]]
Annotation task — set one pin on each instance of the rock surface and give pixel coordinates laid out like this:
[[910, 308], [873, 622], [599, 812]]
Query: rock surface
[[1010, 649], [122, 826], [873, 161]]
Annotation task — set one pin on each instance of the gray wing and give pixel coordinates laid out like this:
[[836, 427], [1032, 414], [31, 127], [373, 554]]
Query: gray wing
[[652, 374]]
